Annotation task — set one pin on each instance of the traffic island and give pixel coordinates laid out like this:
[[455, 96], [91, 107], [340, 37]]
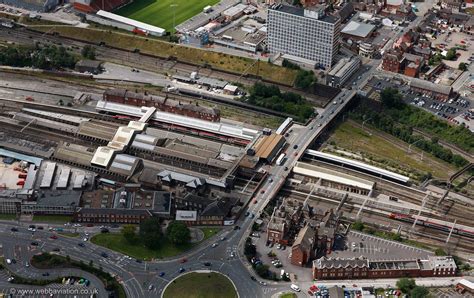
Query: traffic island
[[201, 284]]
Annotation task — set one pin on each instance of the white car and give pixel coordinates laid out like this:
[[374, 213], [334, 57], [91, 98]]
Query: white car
[[9, 261], [215, 244], [295, 288]]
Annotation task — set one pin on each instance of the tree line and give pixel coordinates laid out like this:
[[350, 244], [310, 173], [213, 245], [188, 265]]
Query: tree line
[[43, 57], [270, 97], [399, 119]]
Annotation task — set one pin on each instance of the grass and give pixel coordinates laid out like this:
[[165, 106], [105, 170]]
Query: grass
[[52, 218], [197, 285], [116, 242], [249, 117], [288, 295], [160, 13], [70, 235], [209, 232], [152, 46], [386, 149], [7, 216]]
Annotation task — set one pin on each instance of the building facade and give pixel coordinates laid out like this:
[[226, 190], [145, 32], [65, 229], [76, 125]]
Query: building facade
[[306, 34], [342, 71], [360, 268]]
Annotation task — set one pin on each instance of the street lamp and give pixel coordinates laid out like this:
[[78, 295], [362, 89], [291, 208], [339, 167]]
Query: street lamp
[[363, 123]]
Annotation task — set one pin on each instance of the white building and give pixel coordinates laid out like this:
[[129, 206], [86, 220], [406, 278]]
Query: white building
[[303, 34], [342, 71]]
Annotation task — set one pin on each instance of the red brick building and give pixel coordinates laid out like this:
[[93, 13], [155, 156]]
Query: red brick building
[[163, 104], [392, 60], [360, 268], [303, 249]]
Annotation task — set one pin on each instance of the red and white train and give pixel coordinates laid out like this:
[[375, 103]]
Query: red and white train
[[435, 224]]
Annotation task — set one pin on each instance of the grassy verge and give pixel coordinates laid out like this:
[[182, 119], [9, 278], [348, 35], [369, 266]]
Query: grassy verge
[[52, 218], [70, 235], [49, 261], [209, 232], [249, 117], [288, 295], [182, 53], [116, 242], [7, 216], [161, 13], [196, 285], [386, 151]]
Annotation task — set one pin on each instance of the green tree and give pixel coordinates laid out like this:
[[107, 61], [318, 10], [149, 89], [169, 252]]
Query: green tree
[[419, 292], [391, 98], [178, 232], [304, 79], [150, 232], [128, 232], [262, 270], [358, 226], [88, 52], [406, 284], [462, 66], [451, 54]]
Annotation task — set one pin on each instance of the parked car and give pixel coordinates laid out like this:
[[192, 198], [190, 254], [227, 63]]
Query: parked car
[[295, 288]]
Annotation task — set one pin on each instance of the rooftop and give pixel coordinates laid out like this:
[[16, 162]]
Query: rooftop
[[426, 85], [299, 11], [358, 29]]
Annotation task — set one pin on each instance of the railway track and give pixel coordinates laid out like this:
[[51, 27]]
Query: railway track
[[422, 234], [447, 207]]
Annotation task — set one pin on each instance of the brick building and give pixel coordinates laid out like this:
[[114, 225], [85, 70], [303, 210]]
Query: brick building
[[303, 249], [360, 268], [163, 104], [392, 60], [435, 91]]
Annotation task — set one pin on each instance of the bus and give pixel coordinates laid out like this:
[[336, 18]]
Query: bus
[[280, 159]]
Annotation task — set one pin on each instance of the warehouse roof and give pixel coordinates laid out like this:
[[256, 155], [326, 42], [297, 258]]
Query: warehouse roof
[[74, 153], [124, 164], [358, 29], [89, 63], [426, 85]]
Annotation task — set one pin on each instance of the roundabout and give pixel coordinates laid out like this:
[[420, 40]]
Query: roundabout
[[201, 283]]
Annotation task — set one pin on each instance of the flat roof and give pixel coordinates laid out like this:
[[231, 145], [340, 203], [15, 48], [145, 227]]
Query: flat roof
[[267, 145], [19, 156], [330, 175], [358, 29], [299, 11], [102, 156], [48, 175], [341, 67], [216, 127], [358, 164], [427, 85], [131, 22]]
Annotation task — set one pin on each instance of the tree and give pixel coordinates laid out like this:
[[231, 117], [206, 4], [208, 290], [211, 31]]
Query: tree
[[88, 52], [462, 66], [150, 232], [304, 79], [406, 284], [451, 54], [128, 232], [358, 226], [419, 292], [178, 232], [262, 270], [391, 98]]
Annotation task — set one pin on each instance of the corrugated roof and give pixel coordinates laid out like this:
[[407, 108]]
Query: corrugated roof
[[429, 86], [358, 29]]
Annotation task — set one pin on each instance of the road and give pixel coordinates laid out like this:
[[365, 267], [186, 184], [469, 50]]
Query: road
[[227, 257]]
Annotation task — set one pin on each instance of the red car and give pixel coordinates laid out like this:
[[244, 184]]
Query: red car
[[183, 260], [53, 237], [255, 201]]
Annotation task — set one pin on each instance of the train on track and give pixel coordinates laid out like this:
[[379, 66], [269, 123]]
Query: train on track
[[434, 224]]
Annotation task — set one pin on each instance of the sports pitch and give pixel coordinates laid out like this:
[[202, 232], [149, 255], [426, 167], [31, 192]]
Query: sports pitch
[[160, 12]]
